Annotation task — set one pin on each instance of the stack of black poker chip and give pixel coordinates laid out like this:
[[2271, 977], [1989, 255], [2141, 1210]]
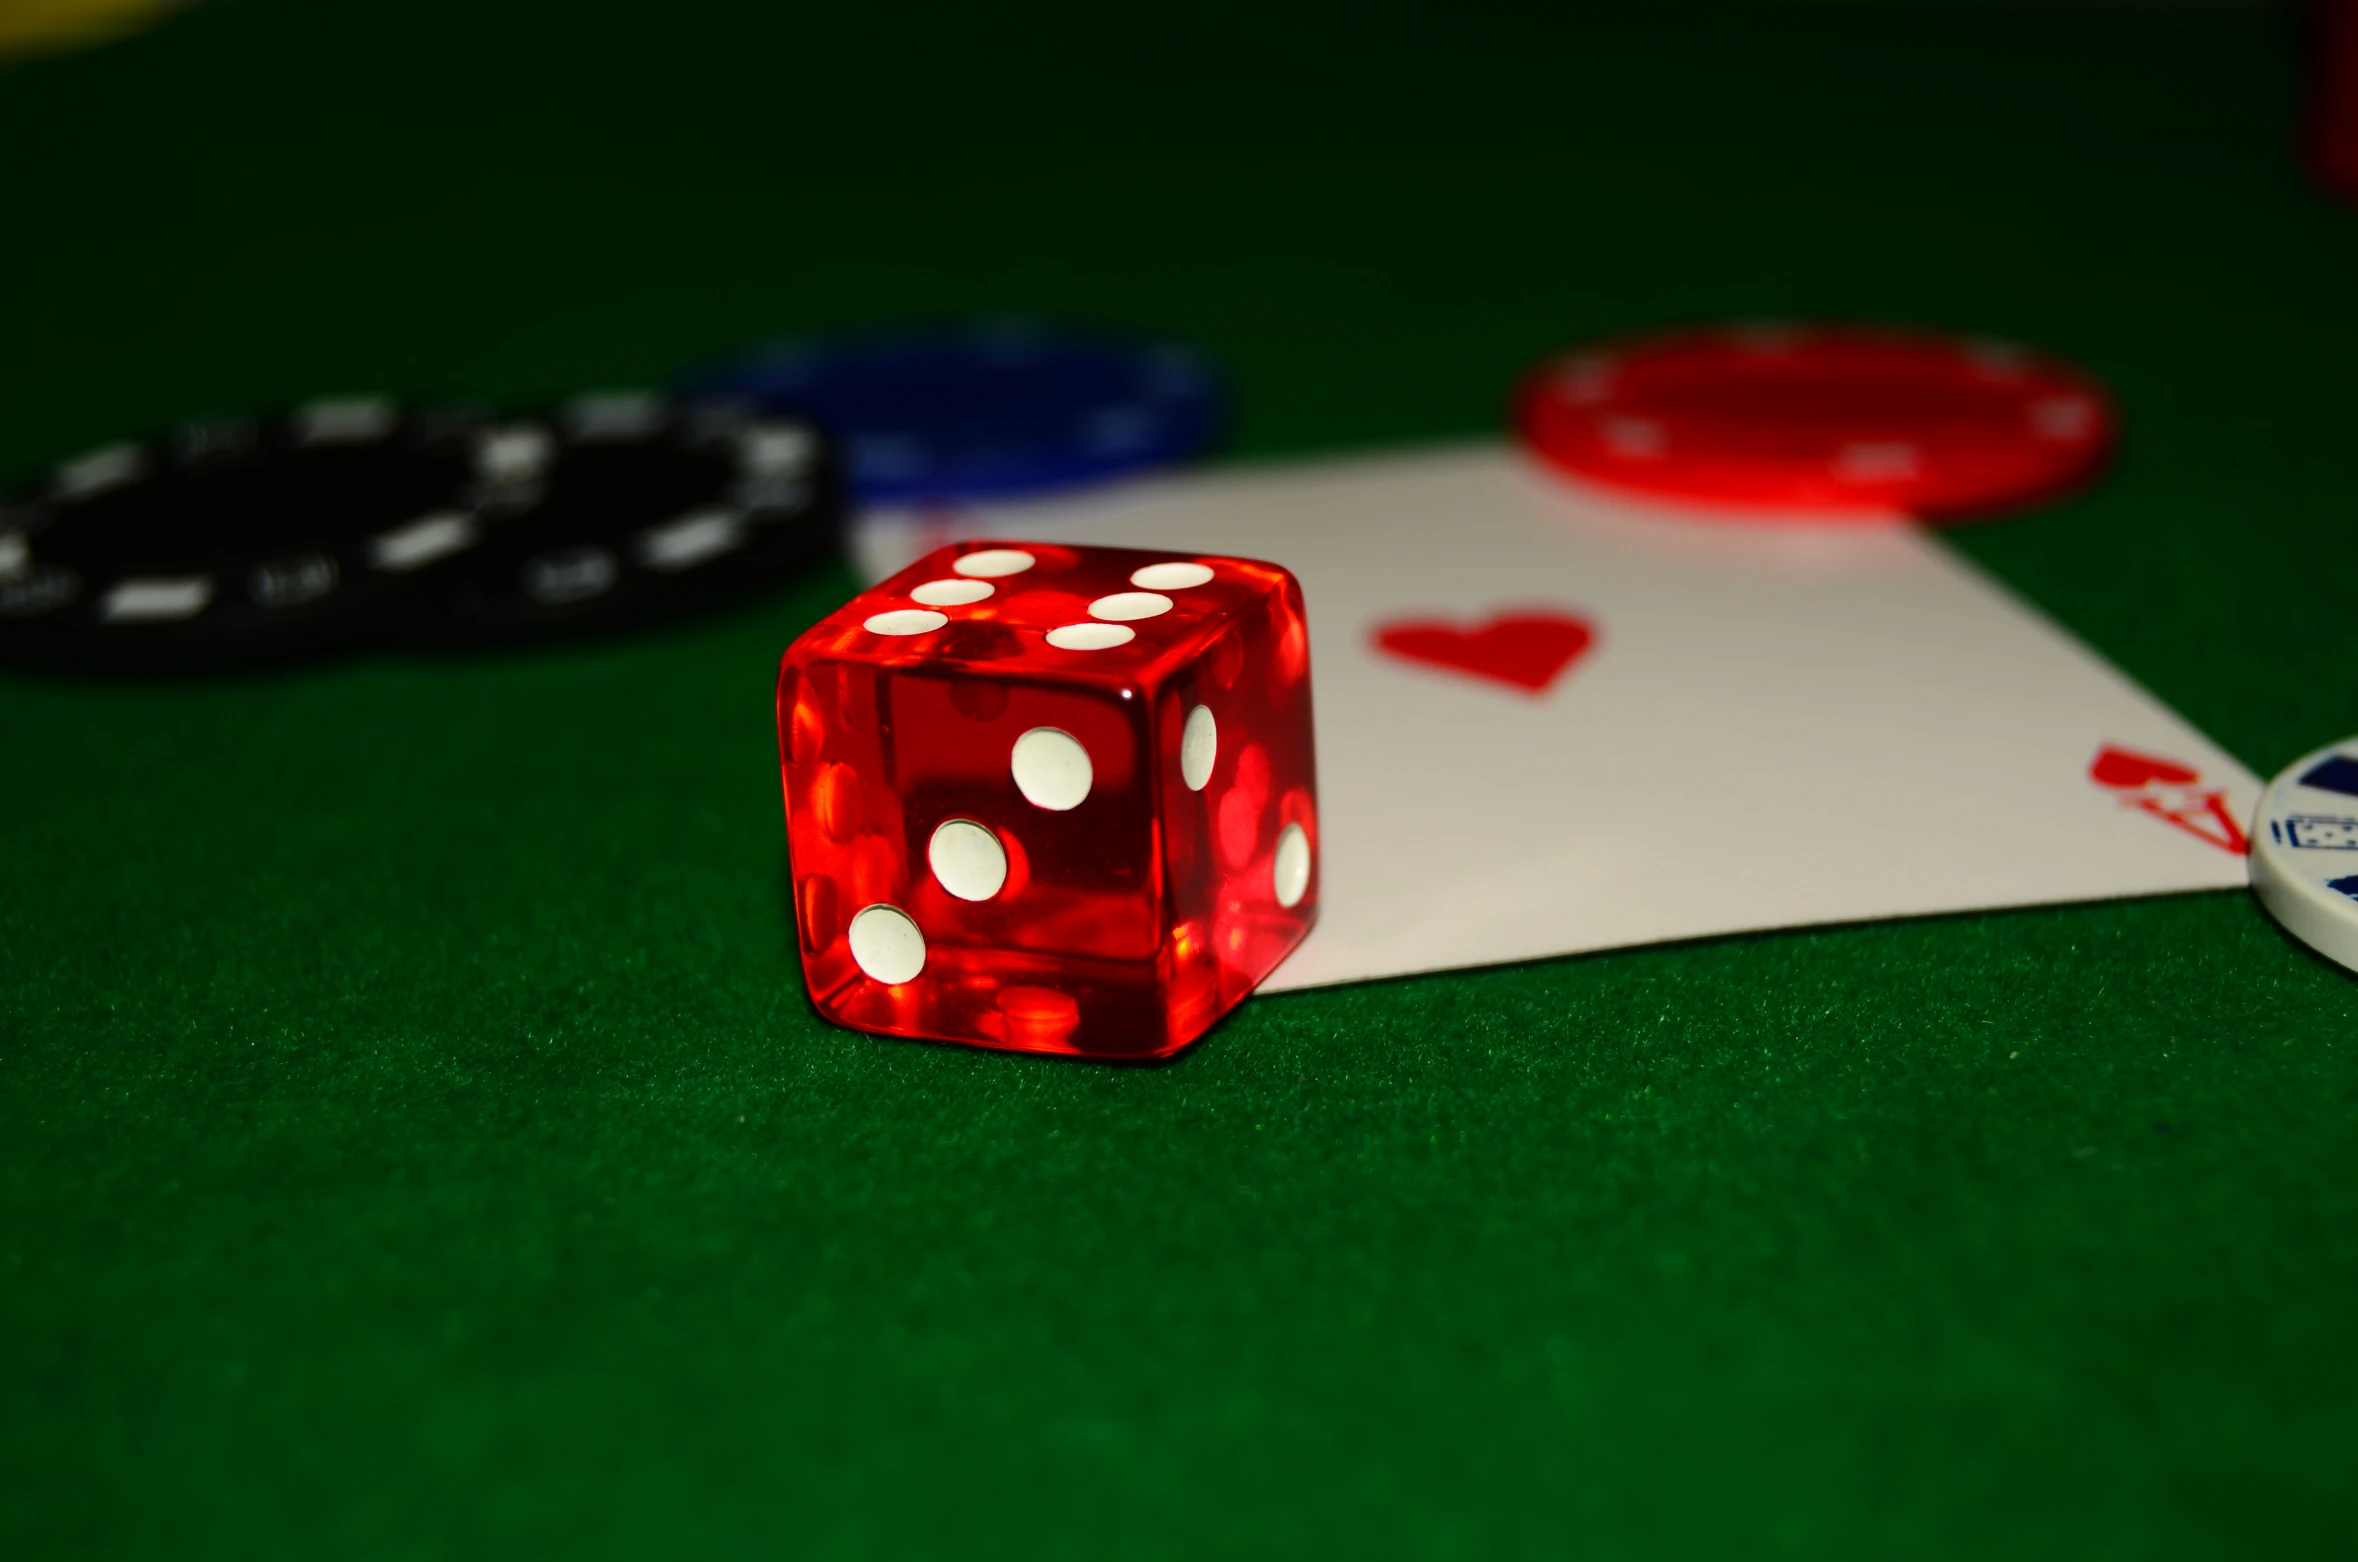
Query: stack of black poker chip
[[365, 522]]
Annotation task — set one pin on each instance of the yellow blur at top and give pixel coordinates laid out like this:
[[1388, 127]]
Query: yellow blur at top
[[46, 26]]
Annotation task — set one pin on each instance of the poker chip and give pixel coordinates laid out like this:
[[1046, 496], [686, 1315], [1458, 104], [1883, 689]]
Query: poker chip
[[2304, 852], [633, 508], [1830, 419], [985, 409], [243, 540]]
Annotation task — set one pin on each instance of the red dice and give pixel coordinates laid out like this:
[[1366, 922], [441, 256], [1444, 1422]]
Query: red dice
[[1051, 798]]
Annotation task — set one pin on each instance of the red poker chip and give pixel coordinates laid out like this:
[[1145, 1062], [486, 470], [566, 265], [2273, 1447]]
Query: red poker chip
[[1825, 418]]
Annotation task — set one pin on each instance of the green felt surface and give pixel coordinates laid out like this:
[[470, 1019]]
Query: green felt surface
[[414, 1139]]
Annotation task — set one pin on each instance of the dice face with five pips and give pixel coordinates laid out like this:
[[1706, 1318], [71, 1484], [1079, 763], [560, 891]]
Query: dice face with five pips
[[1051, 798]]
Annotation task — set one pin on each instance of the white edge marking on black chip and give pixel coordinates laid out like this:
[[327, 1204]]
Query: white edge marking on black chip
[[776, 450], [294, 581], [514, 453], [42, 589], [615, 415], [86, 477], [691, 540], [352, 420], [16, 555], [215, 438], [422, 542], [152, 599], [568, 575]]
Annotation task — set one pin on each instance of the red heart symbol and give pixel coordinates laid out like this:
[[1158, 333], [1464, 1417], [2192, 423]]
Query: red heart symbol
[[1528, 649], [2120, 767]]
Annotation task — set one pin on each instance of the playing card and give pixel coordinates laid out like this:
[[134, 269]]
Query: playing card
[[1552, 720]]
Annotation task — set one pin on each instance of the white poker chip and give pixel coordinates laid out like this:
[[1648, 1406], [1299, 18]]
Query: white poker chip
[[2304, 859]]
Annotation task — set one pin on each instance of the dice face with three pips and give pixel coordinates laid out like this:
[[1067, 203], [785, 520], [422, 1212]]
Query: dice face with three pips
[[1051, 798]]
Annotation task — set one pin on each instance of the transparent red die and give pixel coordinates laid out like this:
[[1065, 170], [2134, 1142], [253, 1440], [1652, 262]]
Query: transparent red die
[[1051, 798]]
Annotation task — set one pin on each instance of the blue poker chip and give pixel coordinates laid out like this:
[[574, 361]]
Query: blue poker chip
[[985, 409]]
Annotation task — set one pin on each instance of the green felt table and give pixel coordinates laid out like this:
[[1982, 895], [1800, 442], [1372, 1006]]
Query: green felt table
[[415, 1139]]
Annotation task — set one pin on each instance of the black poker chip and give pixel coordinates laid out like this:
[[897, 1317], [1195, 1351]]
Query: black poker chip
[[249, 541], [258, 541], [647, 509]]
